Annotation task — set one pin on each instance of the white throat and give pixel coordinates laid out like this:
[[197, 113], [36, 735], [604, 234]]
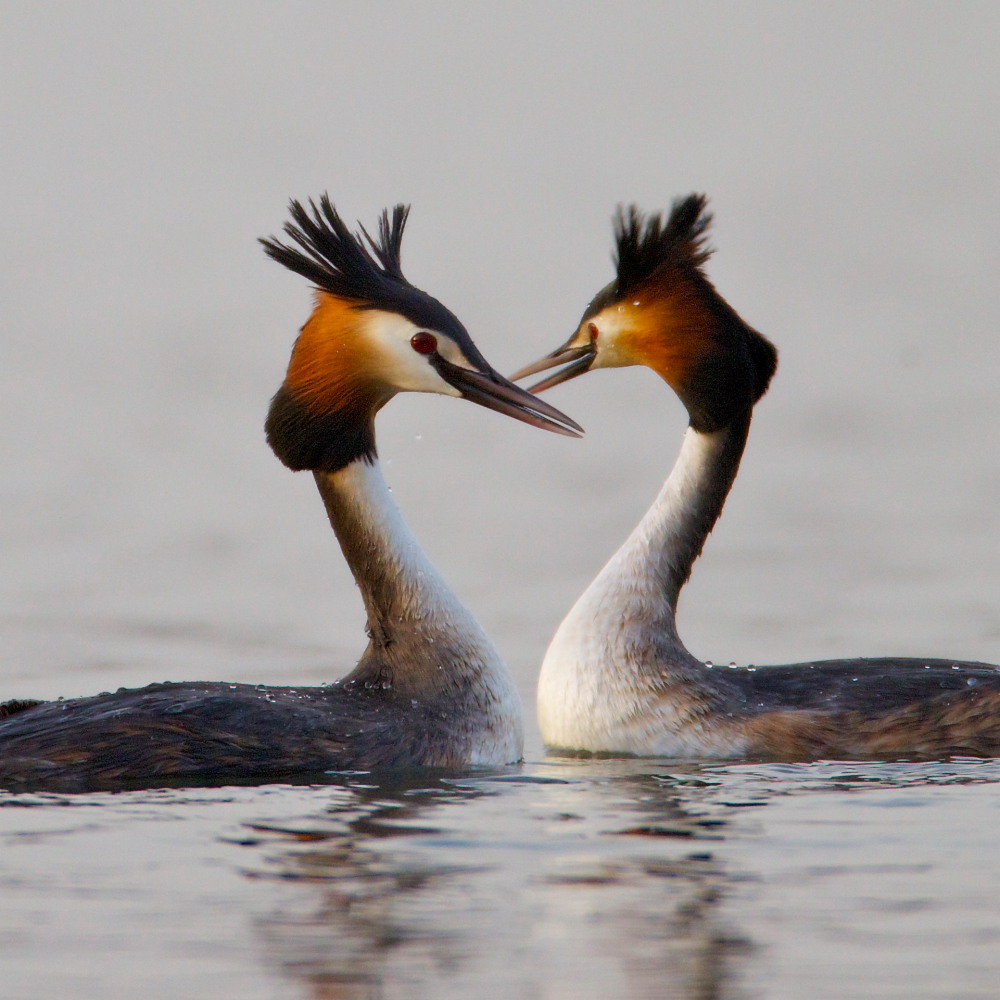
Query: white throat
[[616, 676], [424, 641]]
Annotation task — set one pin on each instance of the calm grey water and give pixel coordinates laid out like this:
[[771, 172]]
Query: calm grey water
[[851, 154], [558, 879]]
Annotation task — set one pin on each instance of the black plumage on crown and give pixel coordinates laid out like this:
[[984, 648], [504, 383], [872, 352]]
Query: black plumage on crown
[[649, 249], [360, 267], [351, 265], [645, 243]]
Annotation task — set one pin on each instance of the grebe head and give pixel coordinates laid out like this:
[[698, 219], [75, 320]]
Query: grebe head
[[372, 334], [661, 311]]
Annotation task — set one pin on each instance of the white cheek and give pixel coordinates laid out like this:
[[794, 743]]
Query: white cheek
[[611, 350], [609, 355], [396, 362]]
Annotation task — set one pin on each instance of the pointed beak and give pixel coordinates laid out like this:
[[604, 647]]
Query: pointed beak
[[492, 390], [577, 359]]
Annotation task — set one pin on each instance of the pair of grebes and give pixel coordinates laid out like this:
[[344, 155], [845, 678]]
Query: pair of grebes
[[430, 688]]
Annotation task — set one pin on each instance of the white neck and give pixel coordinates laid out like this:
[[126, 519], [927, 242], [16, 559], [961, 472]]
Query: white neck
[[616, 676], [424, 642]]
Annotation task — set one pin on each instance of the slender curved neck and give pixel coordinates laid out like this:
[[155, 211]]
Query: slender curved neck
[[394, 575], [691, 500], [643, 580], [617, 675], [415, 623]]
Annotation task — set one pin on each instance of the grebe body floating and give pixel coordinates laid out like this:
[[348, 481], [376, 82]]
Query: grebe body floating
[[430, 689], [617, 678]]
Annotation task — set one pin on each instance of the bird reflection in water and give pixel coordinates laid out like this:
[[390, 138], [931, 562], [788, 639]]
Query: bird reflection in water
[[578, 877]]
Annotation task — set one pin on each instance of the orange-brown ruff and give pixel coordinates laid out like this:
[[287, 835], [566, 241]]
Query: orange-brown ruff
[[617, 678], [329, 367], [430, 690]]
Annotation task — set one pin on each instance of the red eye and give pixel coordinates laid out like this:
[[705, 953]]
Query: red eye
[[594, 332], [424, 343]]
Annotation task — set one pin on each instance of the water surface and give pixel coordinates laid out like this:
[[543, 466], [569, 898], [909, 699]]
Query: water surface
[[566, 878]]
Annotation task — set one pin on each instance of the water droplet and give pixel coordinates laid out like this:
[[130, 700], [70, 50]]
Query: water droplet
[[709, 664], [636, 302], [414, 702], [732, 666], [956, 668], [971, 682], [386, 685]]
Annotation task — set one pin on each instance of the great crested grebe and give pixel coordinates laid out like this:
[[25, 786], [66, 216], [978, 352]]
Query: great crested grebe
[[616, 677], [430, 689]]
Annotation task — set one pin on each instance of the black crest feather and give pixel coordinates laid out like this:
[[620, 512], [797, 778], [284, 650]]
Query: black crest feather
[[351, 265], [361, 267], [645, 243]]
